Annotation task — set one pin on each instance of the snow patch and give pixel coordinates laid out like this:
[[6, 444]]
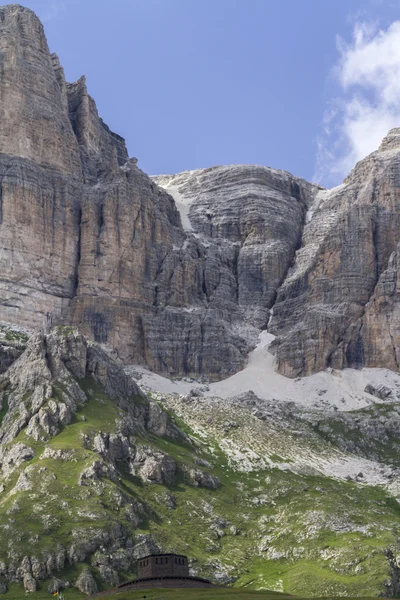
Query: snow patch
[[342, 390], [182, 202]]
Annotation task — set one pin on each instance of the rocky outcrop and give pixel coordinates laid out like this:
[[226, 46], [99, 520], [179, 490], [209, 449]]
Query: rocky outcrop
[[155, 466], [56, 585], [337, 305], [98, 470], [380, 391], [56, 378], [41, 390], [199, 478], [30, 584], [86, 583], [12, 457], [73, 500]]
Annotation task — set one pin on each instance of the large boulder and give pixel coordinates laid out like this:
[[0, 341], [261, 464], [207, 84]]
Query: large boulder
[[86, 583], [30, 584], [155, 466]]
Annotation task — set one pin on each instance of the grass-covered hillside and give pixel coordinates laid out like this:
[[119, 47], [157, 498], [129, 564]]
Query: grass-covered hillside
[[94, 474]]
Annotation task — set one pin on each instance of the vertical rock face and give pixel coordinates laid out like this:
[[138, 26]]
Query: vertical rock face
[[342, 265], [34, 122], [89, 239], [255, 210], [40, 176], [102, 150], [181, 272], [39, 233], [375, 339]]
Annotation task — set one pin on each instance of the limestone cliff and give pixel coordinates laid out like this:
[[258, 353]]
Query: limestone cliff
[[321, 263], [89, 239], [337, 307], [181, 272]]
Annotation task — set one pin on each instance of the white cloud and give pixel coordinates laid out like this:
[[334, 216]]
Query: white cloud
[[368, 73], [53, 10]]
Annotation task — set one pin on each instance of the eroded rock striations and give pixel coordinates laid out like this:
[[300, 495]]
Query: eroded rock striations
[[89, 239], [328, 278], [181, 272], [338, 305]]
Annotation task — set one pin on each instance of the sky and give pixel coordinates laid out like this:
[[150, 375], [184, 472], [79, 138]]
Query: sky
[[308, 86]]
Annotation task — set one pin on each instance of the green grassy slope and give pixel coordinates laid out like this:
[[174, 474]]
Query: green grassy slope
[[264, 528]]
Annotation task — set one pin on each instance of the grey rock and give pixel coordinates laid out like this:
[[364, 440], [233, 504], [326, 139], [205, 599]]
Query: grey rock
[[155, 466], [200, 478], [86, 583], [106, 248], [24, 482], [59, 358], [114, 447], [55, 586], [30, 584], [13, 456], [144, 545], [65, 455], [380, 391], [98, 470], [113, 252], [203, 463], [337, 307]]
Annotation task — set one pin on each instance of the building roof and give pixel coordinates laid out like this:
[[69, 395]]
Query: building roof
[[162, 554]]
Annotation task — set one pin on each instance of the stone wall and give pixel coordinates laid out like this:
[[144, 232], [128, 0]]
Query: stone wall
[[166, 565], [171, 582]]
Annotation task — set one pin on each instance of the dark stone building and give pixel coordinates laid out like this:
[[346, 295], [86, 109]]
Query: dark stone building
[[164, 570], [163, 565]]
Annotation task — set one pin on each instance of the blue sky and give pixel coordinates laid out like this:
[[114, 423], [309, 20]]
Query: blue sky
[[301, 85]]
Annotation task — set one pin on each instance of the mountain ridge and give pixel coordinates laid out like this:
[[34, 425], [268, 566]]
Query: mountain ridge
[[91, 241]]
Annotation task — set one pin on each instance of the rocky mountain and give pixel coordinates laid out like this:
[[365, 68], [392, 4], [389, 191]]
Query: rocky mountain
[[181, 273], [90, 240], [322, 267], [115, 284]]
